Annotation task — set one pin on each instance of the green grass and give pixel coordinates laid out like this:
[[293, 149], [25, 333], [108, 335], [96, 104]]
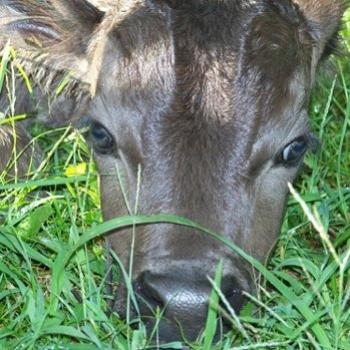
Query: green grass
[[52, 265]]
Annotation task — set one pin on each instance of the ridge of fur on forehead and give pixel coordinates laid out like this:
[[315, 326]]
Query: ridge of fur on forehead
[[277, 46], [266, 41], [292, 35]]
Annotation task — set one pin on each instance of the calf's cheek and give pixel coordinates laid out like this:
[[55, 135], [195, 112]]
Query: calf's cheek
[[267, 217]]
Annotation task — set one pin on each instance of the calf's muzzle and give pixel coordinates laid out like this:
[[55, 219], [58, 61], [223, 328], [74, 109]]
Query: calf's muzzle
[[183, 298]]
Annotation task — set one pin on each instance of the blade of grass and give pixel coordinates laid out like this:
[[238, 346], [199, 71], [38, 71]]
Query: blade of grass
[[3, 64], [211, 323]]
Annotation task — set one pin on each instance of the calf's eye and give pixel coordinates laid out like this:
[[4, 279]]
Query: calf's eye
[[103, 141], [294, 151]]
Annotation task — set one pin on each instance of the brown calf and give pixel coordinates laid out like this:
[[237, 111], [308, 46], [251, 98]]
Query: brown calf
[[209, 97]]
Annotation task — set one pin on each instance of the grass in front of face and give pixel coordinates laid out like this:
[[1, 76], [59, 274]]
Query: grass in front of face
[[52, 271]]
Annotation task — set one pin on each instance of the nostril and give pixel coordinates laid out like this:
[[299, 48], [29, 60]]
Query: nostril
[[236, 299], [147, 291], [233, 294]]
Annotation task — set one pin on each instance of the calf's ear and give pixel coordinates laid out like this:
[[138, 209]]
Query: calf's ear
[[52, 33], [51, 39]]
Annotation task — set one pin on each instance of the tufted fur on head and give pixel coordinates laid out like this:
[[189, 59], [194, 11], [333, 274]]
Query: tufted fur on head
[[60, 41]]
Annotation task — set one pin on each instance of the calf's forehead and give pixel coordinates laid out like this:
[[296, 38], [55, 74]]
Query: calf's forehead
[[241, 68], [214, 61]]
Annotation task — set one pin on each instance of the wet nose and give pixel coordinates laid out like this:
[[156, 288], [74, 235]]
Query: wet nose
[[183, 296]]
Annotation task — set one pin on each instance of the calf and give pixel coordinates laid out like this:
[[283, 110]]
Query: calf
[[208, 97]]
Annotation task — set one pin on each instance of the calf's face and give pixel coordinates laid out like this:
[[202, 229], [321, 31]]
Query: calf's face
[[212, 104], [209, 100]]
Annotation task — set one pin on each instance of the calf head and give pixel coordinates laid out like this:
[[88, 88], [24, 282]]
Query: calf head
[[209, 99]]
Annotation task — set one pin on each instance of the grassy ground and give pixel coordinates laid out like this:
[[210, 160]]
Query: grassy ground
[[49, 251]]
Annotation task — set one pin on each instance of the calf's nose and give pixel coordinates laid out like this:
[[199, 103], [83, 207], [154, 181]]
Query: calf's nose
[[184, 297]]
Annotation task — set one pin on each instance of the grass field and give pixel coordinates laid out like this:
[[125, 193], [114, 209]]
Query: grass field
[[49, 250]]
